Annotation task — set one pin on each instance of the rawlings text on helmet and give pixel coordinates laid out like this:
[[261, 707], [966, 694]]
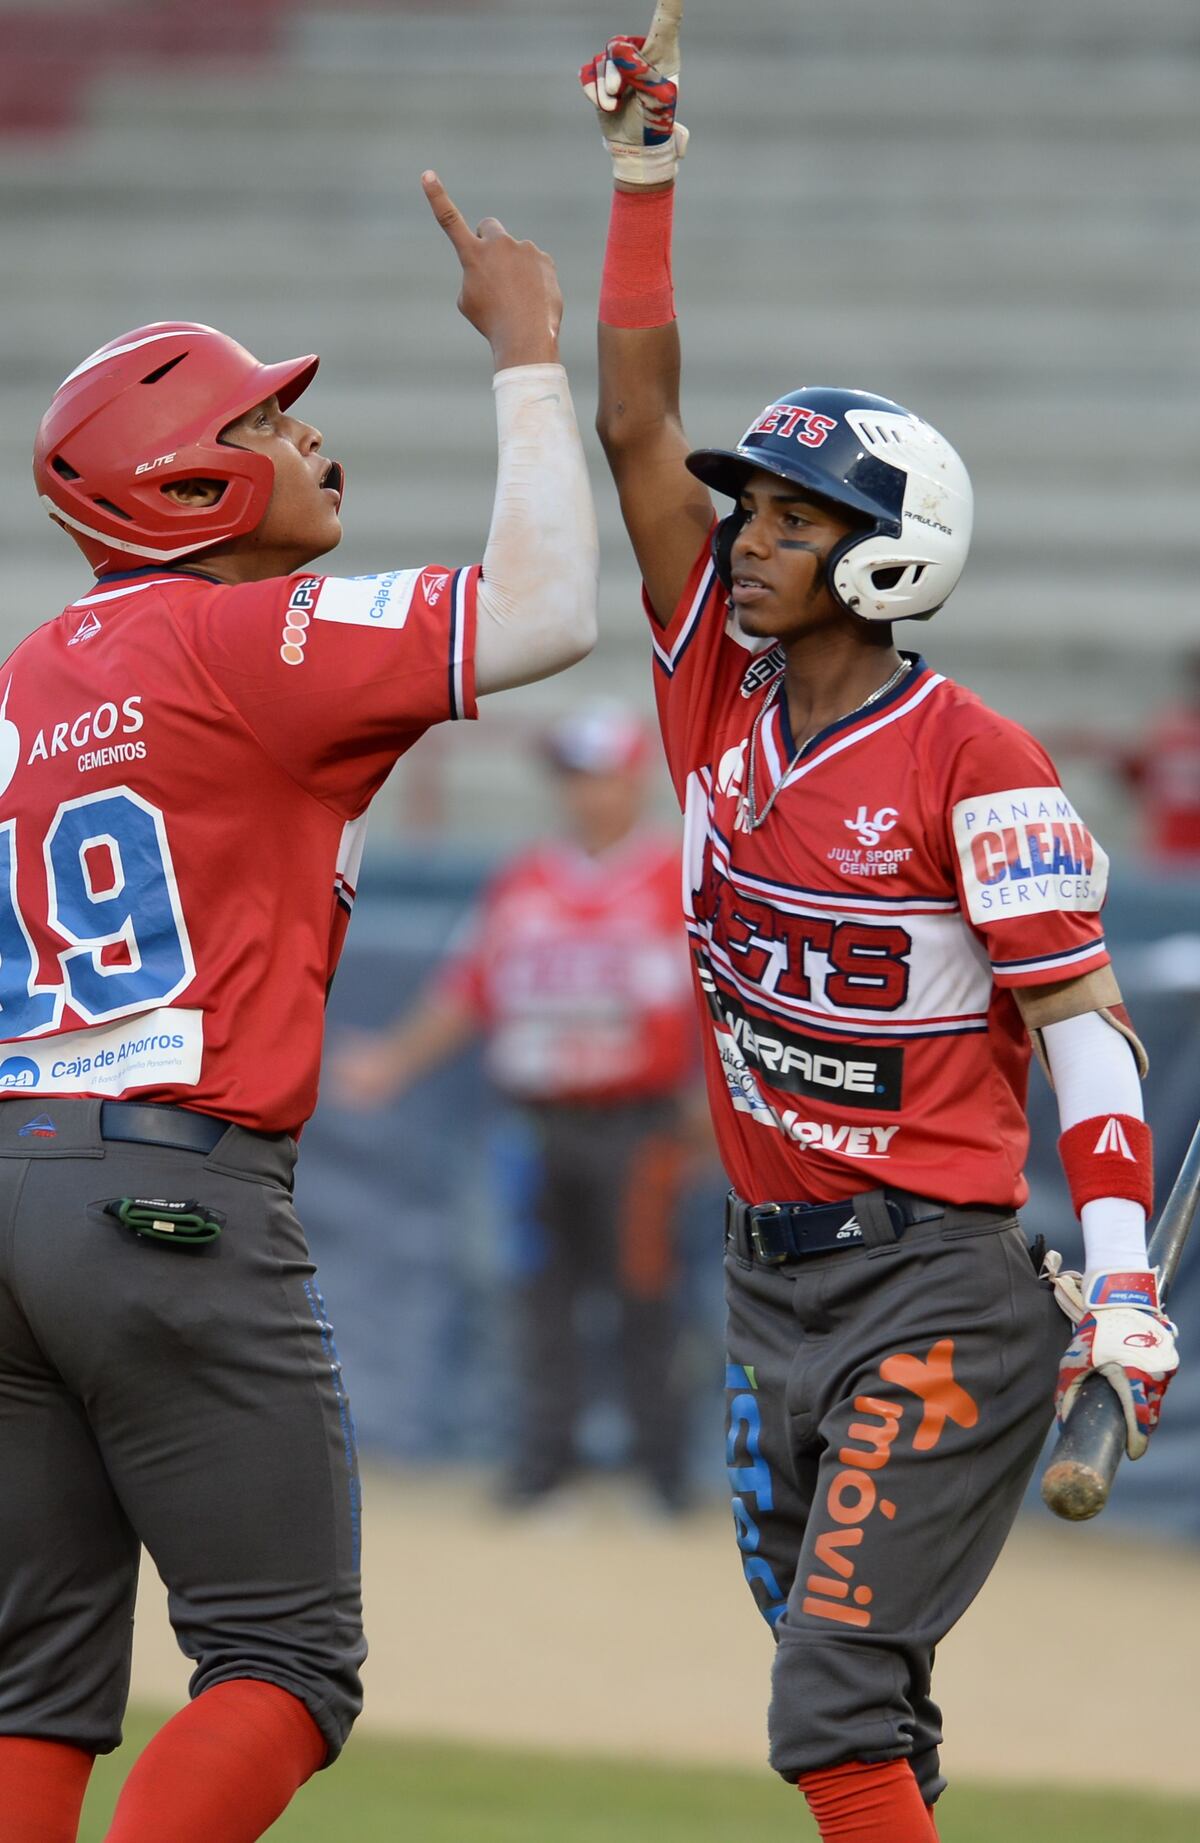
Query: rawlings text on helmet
[[909, 575]]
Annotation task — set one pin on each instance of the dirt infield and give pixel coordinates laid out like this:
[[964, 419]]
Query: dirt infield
[[593, 1629]]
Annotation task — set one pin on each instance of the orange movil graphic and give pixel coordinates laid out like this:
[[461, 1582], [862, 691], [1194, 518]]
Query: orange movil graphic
[[932, 1381], [854, 1495]]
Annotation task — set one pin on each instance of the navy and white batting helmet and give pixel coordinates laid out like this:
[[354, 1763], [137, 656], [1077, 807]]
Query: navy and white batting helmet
[[894, 473]]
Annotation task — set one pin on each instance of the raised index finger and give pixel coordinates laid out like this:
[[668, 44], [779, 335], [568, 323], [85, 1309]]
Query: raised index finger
[[448, 214], [661, 46]]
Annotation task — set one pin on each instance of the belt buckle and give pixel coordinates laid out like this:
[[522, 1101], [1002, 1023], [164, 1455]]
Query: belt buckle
[[770, 1257]]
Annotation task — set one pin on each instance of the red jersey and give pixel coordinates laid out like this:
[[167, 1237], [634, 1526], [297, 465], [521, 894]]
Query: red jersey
[[859, 917], [184, 772], [575, 969]]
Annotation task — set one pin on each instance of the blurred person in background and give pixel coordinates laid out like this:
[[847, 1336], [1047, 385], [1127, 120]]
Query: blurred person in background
[[1160, 768], [1163, 769], [571, 969], [187, 754]]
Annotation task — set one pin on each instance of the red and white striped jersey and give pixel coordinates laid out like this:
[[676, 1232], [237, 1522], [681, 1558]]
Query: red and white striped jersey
[[184, 772], [856, 950], [576, 971]]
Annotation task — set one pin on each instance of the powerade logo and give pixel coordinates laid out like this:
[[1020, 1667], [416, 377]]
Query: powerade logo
[[19, 1072], [805, 1065]]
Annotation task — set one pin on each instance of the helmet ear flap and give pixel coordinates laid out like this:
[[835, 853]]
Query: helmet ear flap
[[723, 540]]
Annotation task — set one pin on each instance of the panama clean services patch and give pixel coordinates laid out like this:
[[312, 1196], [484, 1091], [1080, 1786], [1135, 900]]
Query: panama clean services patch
[[1026, 851]]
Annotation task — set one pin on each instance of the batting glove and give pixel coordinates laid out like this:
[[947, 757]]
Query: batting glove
[[634, 85], [1121, 1333]]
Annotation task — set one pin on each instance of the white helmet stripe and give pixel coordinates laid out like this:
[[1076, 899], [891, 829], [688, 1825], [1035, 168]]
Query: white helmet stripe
[[103, 537], [98, 357]]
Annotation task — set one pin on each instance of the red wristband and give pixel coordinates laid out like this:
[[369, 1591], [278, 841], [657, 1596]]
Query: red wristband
[[1108, 1156], [636, 288]]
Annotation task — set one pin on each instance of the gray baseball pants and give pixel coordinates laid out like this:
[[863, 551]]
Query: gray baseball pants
[[887, 1405], [187, 1399], [602, 1195]]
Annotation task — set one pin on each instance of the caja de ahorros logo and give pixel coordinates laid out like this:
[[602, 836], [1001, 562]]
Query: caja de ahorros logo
[[858, 1077]]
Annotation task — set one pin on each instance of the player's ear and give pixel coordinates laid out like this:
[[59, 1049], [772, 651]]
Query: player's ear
[[194, 492]]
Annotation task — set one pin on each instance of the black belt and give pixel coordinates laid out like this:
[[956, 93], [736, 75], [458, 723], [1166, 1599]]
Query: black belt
[[142, 1123], [772, 1233]]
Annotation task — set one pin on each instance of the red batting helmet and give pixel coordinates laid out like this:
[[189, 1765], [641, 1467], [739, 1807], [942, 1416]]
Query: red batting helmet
[[148, 409]]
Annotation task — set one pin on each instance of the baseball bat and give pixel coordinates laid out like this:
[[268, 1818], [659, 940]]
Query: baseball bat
[[1077, 1481]]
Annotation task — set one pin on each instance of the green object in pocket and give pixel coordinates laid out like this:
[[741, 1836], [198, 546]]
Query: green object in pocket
[[186, 1224]]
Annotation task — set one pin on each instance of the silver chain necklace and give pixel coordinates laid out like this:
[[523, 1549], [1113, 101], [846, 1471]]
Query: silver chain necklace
[[751, 818]]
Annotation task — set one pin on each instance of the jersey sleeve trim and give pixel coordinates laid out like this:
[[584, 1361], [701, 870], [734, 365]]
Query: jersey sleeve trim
[[1044, 969], [671, 642], [461, 663]]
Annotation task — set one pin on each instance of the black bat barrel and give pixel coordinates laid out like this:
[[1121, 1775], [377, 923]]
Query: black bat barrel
[[1079, 1476]]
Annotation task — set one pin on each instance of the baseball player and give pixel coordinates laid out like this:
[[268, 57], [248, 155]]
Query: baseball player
[[186, 756], [571, 968], [889, 896]]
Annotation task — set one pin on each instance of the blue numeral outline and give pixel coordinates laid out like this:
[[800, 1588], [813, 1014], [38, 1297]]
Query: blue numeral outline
[[26, 959], [83, 975]]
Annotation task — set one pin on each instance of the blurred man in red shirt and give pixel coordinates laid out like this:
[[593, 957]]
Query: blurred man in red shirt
[[1164, 768], [573, 968]]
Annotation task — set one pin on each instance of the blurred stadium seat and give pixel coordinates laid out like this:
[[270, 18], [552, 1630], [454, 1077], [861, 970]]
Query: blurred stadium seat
[[991, 214]]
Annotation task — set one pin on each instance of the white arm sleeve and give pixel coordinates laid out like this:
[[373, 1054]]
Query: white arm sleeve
[[1095, 1073], [537, 597]]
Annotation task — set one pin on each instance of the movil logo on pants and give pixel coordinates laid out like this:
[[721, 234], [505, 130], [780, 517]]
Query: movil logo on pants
[[855, 1493]]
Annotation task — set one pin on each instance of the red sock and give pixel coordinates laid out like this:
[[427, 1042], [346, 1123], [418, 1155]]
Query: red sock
[[856, 1803], [224, 1767], [42, 1784]]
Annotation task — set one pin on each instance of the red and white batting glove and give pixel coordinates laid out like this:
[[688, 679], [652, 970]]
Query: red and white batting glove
[[1121, 1333], [634, 85]]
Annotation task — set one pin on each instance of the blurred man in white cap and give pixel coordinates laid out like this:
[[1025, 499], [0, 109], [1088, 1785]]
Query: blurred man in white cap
[[572, 968]]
